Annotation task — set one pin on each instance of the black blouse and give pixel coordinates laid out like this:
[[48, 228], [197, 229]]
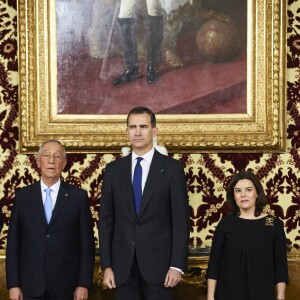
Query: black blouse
[[248, 257]]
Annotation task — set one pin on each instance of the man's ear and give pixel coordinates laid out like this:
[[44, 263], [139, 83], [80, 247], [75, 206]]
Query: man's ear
[[65, 163], [37, 160], [155, 131]]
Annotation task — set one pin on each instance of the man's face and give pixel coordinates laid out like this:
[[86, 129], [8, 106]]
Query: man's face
[[51, 162], [140, 133]]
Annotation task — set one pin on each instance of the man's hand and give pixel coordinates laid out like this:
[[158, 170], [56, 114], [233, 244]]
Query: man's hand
[[109, 278], [81, 293], [15, 294], [172, 278]]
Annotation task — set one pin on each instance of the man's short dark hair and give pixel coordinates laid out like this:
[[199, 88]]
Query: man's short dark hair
[[143, 110]]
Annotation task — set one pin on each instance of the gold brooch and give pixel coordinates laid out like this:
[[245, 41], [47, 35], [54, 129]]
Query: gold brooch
[[269, 221]]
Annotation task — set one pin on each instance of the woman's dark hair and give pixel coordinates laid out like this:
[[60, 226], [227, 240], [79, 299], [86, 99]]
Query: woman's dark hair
[[261, 197], [143, 110]]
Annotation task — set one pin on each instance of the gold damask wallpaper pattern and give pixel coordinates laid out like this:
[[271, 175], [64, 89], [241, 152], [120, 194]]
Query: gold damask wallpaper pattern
[[207, 174]]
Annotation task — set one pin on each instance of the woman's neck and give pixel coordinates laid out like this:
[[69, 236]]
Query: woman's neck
[[250, 215]]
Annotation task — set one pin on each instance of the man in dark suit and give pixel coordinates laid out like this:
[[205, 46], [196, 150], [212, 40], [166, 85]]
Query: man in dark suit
[[50, 254], [143, 245]]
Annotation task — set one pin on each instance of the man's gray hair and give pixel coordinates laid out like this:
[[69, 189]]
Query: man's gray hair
[[53, 141]]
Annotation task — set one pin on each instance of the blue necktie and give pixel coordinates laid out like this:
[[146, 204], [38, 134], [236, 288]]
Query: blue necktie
[[48, 205], [137, 185]]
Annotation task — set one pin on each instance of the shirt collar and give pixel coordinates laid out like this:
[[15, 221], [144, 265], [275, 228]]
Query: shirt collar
[[148, 156], [54, 187]]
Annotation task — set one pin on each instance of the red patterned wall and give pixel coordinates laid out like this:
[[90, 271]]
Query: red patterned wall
[[207, 174]]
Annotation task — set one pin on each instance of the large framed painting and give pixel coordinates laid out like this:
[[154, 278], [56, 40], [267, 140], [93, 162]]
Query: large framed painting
[[221, 84]]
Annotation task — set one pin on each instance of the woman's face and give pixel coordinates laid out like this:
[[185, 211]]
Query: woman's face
[[245, 195]]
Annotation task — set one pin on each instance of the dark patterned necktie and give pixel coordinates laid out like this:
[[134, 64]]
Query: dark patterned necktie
[[137, 185]]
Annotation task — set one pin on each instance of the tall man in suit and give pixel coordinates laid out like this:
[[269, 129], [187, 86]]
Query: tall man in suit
[[50, 254], [143, 241]]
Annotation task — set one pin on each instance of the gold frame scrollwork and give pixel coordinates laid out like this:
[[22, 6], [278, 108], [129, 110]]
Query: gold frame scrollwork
[[262, 128]]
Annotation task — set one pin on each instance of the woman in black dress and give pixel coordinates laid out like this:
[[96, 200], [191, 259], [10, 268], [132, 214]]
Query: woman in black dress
[[248, 255]]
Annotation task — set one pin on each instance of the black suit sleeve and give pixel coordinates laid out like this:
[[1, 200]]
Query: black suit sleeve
[[13, 247], [280, 254], [180, 219], [106, 220], [87, 249]]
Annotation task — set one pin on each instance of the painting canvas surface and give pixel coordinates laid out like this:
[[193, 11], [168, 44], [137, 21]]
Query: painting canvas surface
[[191, 81]]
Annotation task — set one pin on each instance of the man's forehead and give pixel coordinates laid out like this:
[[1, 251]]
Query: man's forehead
[[55, 147], [138, 119]]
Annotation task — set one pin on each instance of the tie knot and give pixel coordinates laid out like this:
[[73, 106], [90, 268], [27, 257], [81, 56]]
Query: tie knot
[[48, 191], [138, 160]]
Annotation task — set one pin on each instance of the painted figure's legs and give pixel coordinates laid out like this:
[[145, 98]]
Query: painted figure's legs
[[127, 9], [126, 23], [130, 51], [154, 8], [155, 36]]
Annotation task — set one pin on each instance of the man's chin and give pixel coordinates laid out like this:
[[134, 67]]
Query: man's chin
[[138, 145], [50, 175]]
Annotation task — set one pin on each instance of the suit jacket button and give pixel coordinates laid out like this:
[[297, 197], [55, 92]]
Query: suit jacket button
[[132, 243], [48, 236]]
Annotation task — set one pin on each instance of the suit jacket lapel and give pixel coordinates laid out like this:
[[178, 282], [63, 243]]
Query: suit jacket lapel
[[157, 169], [126, 184], [62, 198], [38, 201]]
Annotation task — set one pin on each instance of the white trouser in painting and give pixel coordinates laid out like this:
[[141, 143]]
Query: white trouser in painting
[[127, 8]]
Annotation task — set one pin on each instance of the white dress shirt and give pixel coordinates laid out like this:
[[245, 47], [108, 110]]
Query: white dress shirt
[[145, 163], [54, 191]]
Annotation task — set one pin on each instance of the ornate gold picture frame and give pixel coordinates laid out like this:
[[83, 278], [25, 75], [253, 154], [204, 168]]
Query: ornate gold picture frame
[[261, 128]]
